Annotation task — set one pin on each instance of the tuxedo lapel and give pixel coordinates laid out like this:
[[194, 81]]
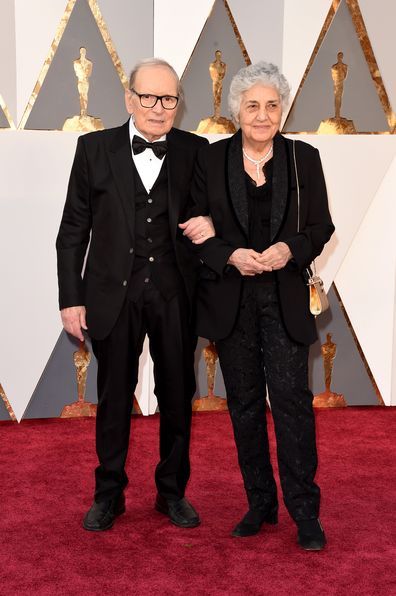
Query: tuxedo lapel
[[236, 180], [120, 157], [280, 185]]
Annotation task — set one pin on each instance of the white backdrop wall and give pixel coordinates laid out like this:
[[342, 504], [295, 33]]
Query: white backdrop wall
[[34, 165]]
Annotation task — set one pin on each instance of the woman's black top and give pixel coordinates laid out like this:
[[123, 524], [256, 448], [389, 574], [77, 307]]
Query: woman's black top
[[259, 205]]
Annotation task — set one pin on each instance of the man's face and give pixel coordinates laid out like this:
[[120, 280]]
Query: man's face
[[157, 121]]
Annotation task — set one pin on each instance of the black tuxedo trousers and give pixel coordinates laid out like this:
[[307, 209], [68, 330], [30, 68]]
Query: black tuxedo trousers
[[172, 345]]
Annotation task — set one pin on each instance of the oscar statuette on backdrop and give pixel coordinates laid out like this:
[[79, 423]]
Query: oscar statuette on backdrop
[[329, 399], [211, 401], [216, 124], [81, 358], [83, 122], [337, 125]]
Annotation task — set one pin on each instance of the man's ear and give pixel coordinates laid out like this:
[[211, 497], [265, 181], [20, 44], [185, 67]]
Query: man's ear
[[129, 101]]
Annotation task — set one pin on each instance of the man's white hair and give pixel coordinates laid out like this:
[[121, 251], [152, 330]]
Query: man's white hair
[[155, 62]]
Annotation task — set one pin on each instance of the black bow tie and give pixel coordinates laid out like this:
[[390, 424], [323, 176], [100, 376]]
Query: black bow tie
[[139, 145]]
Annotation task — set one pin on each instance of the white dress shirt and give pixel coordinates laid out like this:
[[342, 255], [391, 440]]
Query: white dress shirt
[[147, 163]]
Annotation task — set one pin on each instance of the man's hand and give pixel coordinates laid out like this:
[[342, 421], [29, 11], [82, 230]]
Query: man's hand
[[198, 229], [276, 256], [73, 319], [246, 260]]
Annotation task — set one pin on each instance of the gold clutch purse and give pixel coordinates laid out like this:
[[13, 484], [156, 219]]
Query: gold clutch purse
[[318, 301]]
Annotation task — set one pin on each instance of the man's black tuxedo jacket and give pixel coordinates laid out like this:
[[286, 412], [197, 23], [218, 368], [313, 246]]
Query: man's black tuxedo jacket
[[219, 189], [100, 210]]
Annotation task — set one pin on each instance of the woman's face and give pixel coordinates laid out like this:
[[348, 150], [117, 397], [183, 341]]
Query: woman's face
[[260, 114]]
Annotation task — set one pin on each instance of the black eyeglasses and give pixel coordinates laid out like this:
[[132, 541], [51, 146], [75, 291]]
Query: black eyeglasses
[[168, 102]]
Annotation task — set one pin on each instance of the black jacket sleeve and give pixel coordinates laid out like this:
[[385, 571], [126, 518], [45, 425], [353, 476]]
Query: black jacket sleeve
[[74, 232]]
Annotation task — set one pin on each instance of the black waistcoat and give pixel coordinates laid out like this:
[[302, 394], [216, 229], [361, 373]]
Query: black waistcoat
[[155, 260]]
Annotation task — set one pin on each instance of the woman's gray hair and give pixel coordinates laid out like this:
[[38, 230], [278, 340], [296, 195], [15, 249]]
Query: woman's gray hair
[[263, 73], [155, 62]]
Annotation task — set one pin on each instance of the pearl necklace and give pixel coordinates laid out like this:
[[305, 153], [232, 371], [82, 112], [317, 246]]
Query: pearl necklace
[[257, 162]]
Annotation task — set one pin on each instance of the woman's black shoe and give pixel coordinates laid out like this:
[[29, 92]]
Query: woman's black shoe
[[310, 535], [254, 519]]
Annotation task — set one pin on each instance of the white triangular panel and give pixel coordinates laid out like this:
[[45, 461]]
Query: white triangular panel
[[177, 27], [354, 168], [303, 22], [366, 282], [31, 208], [7, 53], [36, 24]]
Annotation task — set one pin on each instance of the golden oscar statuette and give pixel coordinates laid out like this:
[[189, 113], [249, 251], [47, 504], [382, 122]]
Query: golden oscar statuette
[[337, 125], [329, 399], [216, 123], [81, 358], [83, 122], [211, 401]]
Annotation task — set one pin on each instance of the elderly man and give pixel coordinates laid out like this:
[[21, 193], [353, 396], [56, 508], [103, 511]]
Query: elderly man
[[127, 192]]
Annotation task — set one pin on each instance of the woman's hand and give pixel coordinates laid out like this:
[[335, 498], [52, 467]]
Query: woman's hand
[[198, 229], [276, 256], [246, 260]]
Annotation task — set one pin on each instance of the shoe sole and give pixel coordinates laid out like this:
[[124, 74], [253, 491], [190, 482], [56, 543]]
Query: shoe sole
[[312, 549], [237, 535]]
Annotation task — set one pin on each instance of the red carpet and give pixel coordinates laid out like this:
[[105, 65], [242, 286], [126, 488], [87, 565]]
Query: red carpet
[[47, 481]]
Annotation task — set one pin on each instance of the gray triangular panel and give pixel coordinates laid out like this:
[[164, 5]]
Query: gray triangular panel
[[217, 34], [350, 377], [360, 101], [57, 386], [3, 120], [58, 98], [4, 414]]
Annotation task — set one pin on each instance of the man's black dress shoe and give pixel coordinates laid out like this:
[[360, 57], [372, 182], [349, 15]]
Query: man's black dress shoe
[[310, 534], [101, 515], [180, 511], [254, 519]]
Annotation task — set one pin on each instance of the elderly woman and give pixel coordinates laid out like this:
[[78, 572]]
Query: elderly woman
[[252, 298]]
